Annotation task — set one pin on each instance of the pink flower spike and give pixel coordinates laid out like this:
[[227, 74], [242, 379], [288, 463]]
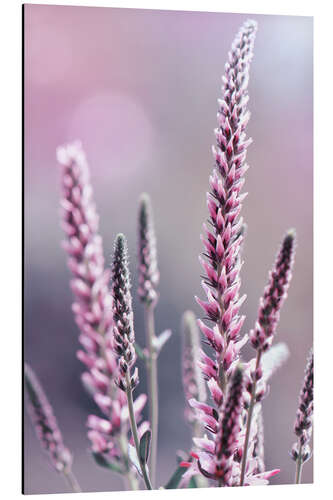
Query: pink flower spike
[[93, 305], [274, 294]]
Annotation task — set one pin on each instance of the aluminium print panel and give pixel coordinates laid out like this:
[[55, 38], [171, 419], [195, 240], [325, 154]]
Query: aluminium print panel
[[147, 368]]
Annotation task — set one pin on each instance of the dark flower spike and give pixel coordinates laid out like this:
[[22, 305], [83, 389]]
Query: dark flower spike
[[274, 295], [123, 330], [262, 336], [227, 436], [301, 451], [124, 340], [147, 255], [46, 427]]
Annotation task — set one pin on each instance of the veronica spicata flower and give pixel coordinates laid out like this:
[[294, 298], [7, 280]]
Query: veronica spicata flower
[[93, 307], [224, 236]]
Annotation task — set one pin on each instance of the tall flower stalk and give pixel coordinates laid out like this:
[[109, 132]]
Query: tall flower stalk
[[47, 429], [148, 275], [301, 451], [262, 336], [224, 235], [93, 312], [124, 338]]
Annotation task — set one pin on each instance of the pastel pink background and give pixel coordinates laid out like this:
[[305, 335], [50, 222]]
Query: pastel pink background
[[139, 88]]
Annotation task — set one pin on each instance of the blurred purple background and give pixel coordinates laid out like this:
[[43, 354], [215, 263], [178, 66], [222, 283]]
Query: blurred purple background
[[139, 89]]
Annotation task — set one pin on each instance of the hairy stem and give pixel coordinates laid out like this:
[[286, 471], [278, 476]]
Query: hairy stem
[[134, 430], [299, 465], [152, 388], [72, 481], [249, 420]]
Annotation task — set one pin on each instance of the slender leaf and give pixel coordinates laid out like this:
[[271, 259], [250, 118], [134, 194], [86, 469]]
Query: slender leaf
[[145, 446]]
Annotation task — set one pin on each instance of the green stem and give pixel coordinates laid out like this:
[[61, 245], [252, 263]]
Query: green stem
[[134, 430], [299, 465], [152, 388], [72, 481], [248, 422]]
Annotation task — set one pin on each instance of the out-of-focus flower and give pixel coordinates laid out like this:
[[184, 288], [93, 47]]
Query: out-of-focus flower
[[147, 255], [45, 423], [193, 382], [92, 307]]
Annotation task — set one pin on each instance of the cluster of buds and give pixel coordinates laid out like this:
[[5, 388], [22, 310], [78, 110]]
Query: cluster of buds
[[45, 423], [303, 425], [148, 273], [123, 330], [274, 295]]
